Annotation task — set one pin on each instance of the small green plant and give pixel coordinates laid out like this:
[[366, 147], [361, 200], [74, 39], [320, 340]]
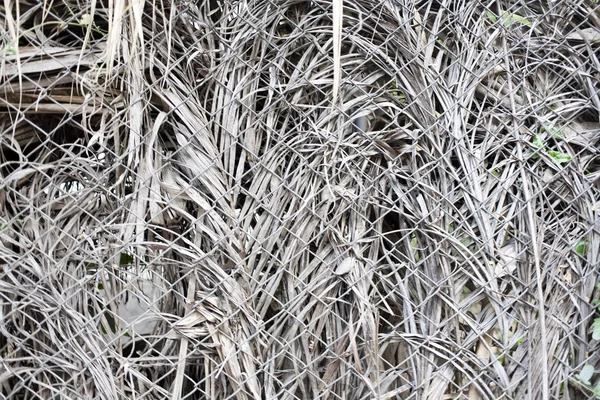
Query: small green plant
[[538, 142], [558, 157], [397, 94], [596, 324], [509, 19], [584, 377], [10, 49], [414, 244], [581, 247], [553, 130], [596, 329], [85, 20]]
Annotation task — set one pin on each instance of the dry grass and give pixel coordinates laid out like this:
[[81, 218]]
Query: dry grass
[[410, 211]]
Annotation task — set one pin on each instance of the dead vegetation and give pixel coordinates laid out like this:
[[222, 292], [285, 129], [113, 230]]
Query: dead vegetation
[[194, 205]]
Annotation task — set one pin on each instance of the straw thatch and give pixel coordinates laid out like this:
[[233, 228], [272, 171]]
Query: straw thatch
[[299, 199]]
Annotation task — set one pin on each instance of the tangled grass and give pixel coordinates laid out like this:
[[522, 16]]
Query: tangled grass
[[199, 200]]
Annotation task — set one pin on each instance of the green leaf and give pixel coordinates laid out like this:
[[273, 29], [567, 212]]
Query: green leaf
[[399, 96], [466, 241], [509, 18], [553, 130], [520, 340], [596, 391], [126, 259], [85, 19], [596, 329], [586, 374], [91, 268], [581, 247], [538, 141], [414, 243], [559, 157]]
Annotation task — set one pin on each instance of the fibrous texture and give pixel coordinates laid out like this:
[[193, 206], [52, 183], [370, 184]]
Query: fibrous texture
[[299, 199]]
